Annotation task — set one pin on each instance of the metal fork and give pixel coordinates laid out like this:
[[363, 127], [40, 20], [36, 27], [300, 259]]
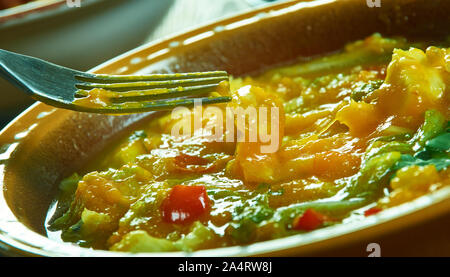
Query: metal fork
[[62, 87]]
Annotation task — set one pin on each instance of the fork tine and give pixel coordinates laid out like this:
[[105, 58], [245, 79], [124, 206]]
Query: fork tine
[[57, 86], [103, 78], [157, 105], [147, 85], [153, 94]]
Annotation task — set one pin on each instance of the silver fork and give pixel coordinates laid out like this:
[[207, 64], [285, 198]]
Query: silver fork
[[64, 87]]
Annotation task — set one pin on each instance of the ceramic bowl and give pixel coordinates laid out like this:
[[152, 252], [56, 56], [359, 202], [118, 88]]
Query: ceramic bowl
[[44, 144]]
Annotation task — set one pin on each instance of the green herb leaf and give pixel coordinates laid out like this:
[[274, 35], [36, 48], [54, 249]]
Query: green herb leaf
[[364, 89], [433, 125], [408, 160], [440, 143]]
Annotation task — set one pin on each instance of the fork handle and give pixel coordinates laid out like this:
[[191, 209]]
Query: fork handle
[[4, 72], [3, 69]]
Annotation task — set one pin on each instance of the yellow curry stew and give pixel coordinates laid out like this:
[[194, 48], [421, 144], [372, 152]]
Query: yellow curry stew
[[359, 131]]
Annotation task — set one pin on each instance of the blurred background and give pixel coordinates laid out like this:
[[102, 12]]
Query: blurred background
[[99, 30]]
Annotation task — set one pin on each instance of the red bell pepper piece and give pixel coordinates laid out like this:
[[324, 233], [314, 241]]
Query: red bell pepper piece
[[185, 204], [372, 211], [309, 220]]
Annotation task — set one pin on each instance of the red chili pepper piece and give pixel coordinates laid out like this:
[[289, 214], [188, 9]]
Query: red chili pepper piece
[[309, 220], [185, 204], [372, 211]]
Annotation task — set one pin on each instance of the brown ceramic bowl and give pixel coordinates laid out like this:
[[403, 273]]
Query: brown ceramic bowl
[[44, 144]]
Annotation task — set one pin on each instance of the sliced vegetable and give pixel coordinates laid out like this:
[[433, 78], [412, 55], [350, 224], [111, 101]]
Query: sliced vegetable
[[90, 230], [185, 204], [69, 185], [433, 125], [373, 50], [132, 148], [309, 220], [247, 216], [286, 215], [67, 188], [140, 241], [372, 211], [69, 218], [199, 236], [371, 176], [380, 147]]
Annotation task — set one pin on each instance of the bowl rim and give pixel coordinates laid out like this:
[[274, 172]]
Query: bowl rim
[[423, 208]]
